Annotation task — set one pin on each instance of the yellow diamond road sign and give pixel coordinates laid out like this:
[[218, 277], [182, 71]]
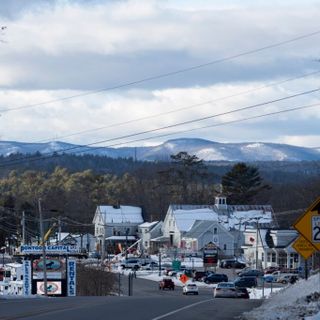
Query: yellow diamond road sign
[[308, 225], [303, 247]]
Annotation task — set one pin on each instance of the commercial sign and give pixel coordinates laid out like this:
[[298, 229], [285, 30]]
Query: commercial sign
[[71, 277], [53, 287], [58, 249], [303, 247], [210, 255], [26, 265], [308, 225]]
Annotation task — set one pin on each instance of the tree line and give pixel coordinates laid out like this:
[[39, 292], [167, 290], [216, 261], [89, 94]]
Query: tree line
[[151, 186]]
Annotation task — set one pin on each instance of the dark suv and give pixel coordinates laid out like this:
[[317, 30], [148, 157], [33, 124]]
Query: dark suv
[[246, 282], [216, 278], [251, 273], [166, 284], [232, 263]]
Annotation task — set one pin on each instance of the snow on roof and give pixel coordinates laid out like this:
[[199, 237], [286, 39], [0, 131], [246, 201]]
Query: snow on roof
[[240, 219], [148, 224], [121, 238], [186, 218], [121, 214]]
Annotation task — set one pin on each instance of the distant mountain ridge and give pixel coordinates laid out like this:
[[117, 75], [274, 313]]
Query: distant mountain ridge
[[203, 149]]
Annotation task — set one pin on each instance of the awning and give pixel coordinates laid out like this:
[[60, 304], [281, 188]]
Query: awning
[[121, 238]]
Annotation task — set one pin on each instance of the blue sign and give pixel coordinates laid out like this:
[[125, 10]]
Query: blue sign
[[71, 277], [26, 265]]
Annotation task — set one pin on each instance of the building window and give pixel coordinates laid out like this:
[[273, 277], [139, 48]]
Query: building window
[[215, 230], [274, 257], [225, 247], [146, 244], [269, 256], [262, 256]]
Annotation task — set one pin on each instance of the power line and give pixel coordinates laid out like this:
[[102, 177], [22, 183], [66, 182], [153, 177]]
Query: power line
[[187, 122], [168, 74], [183, 108], [168, 134]]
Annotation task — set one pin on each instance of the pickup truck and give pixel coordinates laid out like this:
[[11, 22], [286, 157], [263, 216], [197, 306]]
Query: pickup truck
[[166, 283]]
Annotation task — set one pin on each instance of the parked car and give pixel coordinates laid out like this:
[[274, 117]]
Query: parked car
[[287, 278], [131, 264], [215, 278], [190, 288], [166, 283], [200, 275], [246, 282], [242, 293], [151, 266], [225, 290], [251, 273], [268, 278], [270, 270], [232, 263]]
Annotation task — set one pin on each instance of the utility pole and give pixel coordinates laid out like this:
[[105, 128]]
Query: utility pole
[[23, 223], [59, 230], [103, 244], [257, 233], [44, 261]]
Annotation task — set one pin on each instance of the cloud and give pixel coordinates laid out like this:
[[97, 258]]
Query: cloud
[[58, 48]]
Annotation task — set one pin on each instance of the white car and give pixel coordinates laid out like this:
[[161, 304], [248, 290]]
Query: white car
[[225, 290], [190, 288]]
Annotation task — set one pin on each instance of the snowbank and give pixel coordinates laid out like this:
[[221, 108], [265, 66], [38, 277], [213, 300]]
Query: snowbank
[[296, 301]]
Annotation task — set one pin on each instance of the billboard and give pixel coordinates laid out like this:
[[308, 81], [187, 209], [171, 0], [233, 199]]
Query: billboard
[[53, 287], [55, 268]]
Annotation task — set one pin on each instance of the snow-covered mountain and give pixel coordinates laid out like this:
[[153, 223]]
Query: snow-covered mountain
[[204, 149]]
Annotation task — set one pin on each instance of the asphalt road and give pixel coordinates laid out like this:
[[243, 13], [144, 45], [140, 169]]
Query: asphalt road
[[147, 303]]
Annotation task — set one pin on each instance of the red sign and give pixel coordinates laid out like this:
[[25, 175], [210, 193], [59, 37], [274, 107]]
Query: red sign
[[184, 278]]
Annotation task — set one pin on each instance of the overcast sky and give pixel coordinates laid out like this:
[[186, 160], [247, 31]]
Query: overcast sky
[[51, 50]]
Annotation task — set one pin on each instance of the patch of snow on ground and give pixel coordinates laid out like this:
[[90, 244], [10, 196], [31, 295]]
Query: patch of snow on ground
[[290, 303]]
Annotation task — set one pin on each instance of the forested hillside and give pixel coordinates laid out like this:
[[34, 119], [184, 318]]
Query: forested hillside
[[72, 186]]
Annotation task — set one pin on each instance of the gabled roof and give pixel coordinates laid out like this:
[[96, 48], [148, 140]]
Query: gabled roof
[[186, 218], [234, 217], [121, 214], [200, 227]]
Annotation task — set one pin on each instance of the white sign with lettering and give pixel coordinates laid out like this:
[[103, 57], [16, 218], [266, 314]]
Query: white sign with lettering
[[60, 249], [26, 265]]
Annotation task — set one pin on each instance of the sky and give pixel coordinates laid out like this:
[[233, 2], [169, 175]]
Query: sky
[[86, 71]]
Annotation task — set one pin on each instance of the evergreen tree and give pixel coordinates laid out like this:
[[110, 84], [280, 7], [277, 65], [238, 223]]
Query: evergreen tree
[[242, 183]]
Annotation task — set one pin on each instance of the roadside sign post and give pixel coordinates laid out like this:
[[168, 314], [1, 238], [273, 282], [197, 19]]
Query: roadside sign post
[[304, 247], [308, 226]]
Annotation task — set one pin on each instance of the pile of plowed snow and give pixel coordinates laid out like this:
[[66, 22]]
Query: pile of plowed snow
[[298, 301]]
